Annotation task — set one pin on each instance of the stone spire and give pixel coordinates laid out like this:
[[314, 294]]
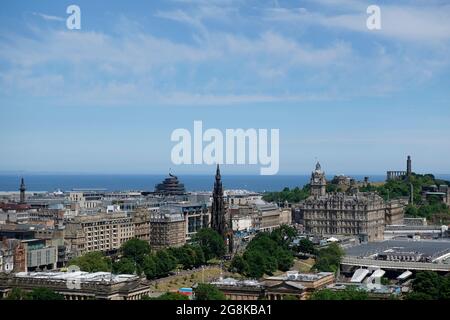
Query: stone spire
[[218, 220], [318, 167], [22, 190], [218, 206]]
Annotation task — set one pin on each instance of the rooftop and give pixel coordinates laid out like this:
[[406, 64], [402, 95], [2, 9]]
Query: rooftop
[[83, 277], [425, 247]]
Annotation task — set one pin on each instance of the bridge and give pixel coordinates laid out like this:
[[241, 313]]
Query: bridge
[[395, 265]]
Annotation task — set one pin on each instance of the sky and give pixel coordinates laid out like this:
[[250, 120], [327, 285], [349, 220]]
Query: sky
[[106, 98]]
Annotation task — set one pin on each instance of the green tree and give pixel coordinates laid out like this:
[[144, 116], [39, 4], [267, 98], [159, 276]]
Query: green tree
[[328, 259], [349, 293], [136, 250], [306, 246], [165, 262], [211, 242], [208, 292], [239, 265], [124, 266], [427, 283], [92, 262], [149, 267], [17, 294]]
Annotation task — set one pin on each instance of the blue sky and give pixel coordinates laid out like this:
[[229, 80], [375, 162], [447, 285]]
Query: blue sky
[[106, 98]]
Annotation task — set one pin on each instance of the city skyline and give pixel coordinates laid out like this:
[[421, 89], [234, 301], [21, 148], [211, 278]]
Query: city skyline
[[105, 99]]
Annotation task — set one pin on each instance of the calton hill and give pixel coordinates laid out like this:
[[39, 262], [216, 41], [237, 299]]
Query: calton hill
[[432, 208]]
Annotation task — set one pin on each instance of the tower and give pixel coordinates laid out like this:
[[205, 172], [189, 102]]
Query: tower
[[22, 190], [318, 182], [408, 167], [218, 206], [218, 221]]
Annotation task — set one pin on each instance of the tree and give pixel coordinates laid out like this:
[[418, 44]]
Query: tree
[[136, 250], [208, 292], [283, 235], [124, 266], [266, 253], [165, 262], [239, 265], [349, 293], [44, 294], [329, 258], [92, 262], [427, 285], [17, 294], [285, 260], [149, 267], [211, 242], [306, 246]]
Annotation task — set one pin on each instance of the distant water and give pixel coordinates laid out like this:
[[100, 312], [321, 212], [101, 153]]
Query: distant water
[[44, 182]]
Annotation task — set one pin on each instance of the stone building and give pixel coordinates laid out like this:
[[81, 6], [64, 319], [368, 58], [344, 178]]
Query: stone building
[[141, 222], [292, 284], [100, 232], [361, 214], [12, 256], [167, 228], [395, 211], [79, 285]]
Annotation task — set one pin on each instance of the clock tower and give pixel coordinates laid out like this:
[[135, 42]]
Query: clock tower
[[318, 182]]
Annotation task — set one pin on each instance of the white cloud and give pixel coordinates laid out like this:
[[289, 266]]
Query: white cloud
[[48, 17]]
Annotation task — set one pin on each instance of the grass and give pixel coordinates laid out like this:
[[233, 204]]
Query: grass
[[187, 280], [303, 265]]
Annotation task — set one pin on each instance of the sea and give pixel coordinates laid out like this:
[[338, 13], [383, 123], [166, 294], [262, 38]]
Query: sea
[[147, 182]]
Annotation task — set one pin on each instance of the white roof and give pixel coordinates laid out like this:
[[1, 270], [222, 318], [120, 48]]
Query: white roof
[[378, 273], [359, 275], [404, 275], [78, 275]]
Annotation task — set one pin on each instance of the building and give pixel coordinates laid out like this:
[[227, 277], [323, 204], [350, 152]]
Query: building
[[267, 217], [318, 182], [196, 216], [240, 289], [100, 232], [40, 255], [79, 285], [395, 212], [292, 284], [361, 214], [441, 193], [12, 256], [170, 186], [167, 228], [398, 256], [141, 222], [401, 175], [414, 232], [292, 281]]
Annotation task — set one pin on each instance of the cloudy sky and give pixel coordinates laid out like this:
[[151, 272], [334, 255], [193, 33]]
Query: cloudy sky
[[106, 98]]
